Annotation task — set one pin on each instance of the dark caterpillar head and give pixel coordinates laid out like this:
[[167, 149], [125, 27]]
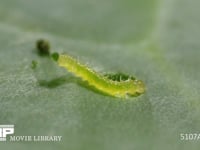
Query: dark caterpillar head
[[119, 77]]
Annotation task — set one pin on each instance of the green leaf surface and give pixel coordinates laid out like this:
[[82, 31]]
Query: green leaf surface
[[155, 40]]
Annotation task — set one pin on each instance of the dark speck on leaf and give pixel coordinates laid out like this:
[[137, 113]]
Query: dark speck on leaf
[[34, 64], [43, 47]]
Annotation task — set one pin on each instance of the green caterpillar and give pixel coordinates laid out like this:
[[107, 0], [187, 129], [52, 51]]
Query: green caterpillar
[[117, 85]]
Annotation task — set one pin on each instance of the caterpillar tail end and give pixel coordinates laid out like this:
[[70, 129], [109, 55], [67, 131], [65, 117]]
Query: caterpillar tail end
[[140, 87]]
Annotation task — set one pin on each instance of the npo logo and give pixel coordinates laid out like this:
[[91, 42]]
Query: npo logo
[[6, 130]]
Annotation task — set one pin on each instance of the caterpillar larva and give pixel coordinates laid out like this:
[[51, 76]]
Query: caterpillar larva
[[109, 84]]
